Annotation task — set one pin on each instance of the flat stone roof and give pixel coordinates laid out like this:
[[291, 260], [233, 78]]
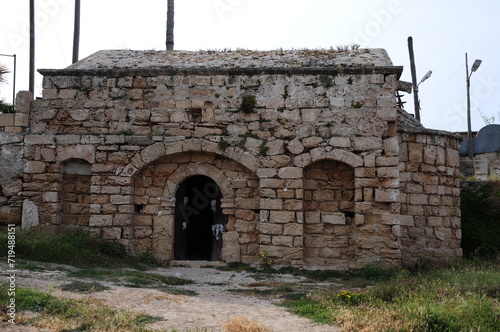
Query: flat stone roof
[[321, 58]]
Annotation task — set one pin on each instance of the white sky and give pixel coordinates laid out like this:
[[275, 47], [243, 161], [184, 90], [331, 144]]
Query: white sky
[[443, 30]]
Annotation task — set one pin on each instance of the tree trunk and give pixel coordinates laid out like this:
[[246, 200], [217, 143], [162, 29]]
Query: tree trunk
[[170, 25], [76, 33]]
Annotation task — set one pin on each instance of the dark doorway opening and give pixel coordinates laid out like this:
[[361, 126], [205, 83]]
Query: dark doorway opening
[[199, 221]]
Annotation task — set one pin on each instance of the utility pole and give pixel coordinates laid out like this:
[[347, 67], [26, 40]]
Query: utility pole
[[76, 33], [414, 78], [32, 48], [170, 25]]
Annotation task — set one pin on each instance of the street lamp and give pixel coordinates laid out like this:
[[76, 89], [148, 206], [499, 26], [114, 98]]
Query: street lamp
[[475, 66], [426, 76]]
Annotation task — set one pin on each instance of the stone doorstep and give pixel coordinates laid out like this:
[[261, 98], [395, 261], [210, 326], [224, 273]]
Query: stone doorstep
[[197, 264]]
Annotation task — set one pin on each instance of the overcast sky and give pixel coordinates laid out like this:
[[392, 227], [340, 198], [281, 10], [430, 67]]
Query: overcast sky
[[443, 31]]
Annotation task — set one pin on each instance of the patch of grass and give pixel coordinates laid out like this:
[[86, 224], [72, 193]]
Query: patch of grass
[[314, 310], [75, 314], [84, 287], [26, 299], [136, 279], [243, 324], [177, 291], [72, 247], [464, 298], [236, 266], [248, 104], [223, 144]]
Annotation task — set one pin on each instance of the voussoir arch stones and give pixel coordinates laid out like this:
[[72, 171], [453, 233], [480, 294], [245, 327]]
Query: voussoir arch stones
[[187, 170], [320, 154], [159, 150]]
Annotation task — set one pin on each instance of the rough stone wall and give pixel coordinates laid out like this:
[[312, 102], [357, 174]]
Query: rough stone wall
[[430, 196], [12, 128], [11, 184], [307, 158]]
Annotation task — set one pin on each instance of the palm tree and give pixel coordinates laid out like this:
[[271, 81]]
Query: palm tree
[[170, 25], [3, 70]]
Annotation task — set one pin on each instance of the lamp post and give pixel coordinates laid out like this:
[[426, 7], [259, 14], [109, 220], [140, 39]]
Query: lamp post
[[475, 66], [14, 79]]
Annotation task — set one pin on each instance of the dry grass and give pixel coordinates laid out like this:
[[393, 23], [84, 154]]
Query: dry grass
[[371, 320], [243, 324]]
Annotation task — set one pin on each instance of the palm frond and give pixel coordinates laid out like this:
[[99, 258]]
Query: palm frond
[[3, 70]]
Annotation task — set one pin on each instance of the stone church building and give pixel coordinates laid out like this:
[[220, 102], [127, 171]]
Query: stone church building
[[220, 156]]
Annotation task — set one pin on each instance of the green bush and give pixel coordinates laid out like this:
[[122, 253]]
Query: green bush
[[66, 246], [114, 249], [480, 205]]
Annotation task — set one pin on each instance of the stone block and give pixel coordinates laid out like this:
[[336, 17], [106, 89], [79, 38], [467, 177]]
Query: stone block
[[242, 226], [111, 233], [293, 229], [340, 142], [285, 241], [271, 204], [295, 147], [282, 217], [30, 216], [276, 147], [290, 173], [271, 229], [415, 153], [335, 218], [6, 120], [85, 152], [52, 197], [362, 144], [23, 102], [312, 217], [311, 142], [142, 220], [101, 221], [21, 120], [34, 167], [231, 248], [387, 195]]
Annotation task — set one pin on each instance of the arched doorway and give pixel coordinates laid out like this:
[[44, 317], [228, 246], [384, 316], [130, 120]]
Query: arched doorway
[[199, 221]]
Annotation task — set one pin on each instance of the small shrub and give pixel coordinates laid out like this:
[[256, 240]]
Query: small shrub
[[480, 207], [223, 144], [243, 324], [114, 249], [84, 287], [248, 104], [265, 260], [6, 107]]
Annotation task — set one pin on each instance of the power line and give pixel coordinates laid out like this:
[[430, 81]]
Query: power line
[[437, 87]]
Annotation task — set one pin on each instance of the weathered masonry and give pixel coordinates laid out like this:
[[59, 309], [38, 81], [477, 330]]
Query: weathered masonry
[[223, 155]]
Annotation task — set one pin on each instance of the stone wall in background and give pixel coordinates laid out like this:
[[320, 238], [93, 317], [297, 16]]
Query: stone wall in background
[[430, 196]]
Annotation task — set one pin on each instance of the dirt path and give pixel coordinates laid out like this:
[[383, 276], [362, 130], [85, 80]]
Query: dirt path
[[221, 295]]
